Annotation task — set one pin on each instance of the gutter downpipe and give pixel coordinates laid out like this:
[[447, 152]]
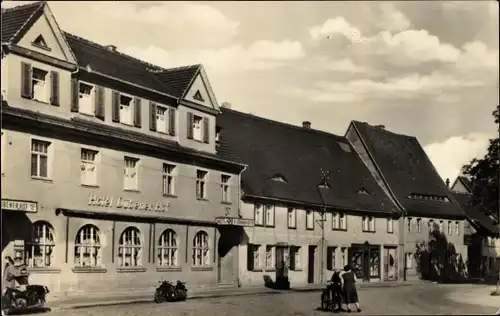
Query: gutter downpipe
[[238, 280]]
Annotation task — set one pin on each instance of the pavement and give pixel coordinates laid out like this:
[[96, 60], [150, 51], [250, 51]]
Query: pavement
[[476, 295], [418, 299], [79, 302]]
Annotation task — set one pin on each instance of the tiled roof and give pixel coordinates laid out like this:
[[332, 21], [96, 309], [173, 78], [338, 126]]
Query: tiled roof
[[478, 217], [270, 148], [172, 81], [407, 169], [17, 20]]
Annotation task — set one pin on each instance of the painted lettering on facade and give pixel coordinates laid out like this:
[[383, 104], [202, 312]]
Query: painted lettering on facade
[[128, 204]]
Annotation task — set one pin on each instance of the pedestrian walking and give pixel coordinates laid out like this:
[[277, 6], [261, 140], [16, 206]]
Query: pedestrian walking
[[350, 292], [336, 291]]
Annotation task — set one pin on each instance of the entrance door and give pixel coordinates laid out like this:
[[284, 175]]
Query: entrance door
[[355, 255], [226, 257], [311, 264], [390, 263]]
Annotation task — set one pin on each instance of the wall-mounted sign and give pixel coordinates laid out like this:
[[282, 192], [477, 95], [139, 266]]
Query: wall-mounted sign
[[20, 206], [128, 204], [234, 221]]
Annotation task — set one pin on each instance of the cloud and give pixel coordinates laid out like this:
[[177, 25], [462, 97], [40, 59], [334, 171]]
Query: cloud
[[451, 154], [260, 55], [336, 26], [391, 19]]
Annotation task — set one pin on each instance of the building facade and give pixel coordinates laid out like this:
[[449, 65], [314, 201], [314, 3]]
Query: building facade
[[481, 234], [406, 174], [110, 179], [307, 225]]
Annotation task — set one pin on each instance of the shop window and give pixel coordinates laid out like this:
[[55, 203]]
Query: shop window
[[88, 247], [201, 250], [168, 249], [40, 249], [130, 248]]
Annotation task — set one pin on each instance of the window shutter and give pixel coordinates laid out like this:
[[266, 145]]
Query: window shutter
[[250, 257], [190, 119], [75, 95], [115, 115], [171, 121], [292, 258], [137, 112], [329, 257], [152, 116], [26, 73], [99, 102], [54, 88], [206, 133]]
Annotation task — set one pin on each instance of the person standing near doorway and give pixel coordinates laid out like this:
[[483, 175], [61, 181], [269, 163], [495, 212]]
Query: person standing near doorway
[[350, 292]]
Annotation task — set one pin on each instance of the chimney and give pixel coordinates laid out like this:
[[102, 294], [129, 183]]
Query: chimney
[[111, 48], [306, 124], [447, 182], [381, 126], [226, 105]]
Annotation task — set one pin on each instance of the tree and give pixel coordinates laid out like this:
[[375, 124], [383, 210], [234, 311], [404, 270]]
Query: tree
[[484, 174]]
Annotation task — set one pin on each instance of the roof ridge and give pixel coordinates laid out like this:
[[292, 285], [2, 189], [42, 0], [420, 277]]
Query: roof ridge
[[283, 123], [374, 127], [22, 6]]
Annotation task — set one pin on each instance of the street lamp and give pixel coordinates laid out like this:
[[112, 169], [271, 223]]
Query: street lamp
[[324, 183]]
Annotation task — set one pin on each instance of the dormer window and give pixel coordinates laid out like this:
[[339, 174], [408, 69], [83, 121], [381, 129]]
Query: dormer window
[[363, 191], [125, 110], [198, 96], [426, 197], [161, 119], [217, 133], [324, 186], [85, 103], [278, 178], [40, 85], [197, 131]]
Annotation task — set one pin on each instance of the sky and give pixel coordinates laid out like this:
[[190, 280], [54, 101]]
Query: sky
[[427, 69]]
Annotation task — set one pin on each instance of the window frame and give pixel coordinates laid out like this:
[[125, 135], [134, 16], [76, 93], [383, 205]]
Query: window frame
[[166, 116], [201, 184], [131, 109], [450, 228], [369, 224], [168, 173], [390, 225], [312, 226], [46, 247], [203, 247], [337, 223], [198, 118], [92, 98], [256, 257], [270, 252], [136, 169], [257, 221], [269, 208], [293, 212], [46, 85], [96, 245], [135, 249], [170, 246], [225, 188], [48, 155], [457, 228], [409, 225], [85, 162], [419, 225]]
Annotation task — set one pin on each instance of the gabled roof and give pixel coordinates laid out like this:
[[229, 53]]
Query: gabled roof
[[408, 171], [17, 20], [172, 81], [476, 217], [467, 183], [269, 148]]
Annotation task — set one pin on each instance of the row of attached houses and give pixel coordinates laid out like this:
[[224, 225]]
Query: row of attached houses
[[117, 173]]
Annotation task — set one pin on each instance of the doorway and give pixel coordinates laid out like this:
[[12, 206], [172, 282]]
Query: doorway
[[311, 264]]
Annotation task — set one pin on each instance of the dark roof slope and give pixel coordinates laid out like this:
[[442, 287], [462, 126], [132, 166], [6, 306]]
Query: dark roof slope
[[466, 182], [17, 20], [407, 169], [172, 81], [271, 148], [478, 218]]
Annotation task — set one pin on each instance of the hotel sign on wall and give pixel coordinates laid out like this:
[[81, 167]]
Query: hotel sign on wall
[[127, 204], [20, 206]]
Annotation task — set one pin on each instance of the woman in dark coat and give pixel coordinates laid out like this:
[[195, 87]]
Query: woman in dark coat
[[350, 292]]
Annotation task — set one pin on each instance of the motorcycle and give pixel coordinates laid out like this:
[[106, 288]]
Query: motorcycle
[[24, 296], [168, 292], [326, 301]]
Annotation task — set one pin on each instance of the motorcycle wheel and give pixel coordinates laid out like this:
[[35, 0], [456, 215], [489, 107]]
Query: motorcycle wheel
[[324, 301], [159, 297]]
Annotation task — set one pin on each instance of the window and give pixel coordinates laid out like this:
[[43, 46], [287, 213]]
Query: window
[[201, 189], [217, 133], [87, 247], [339, 221], [295, 262], [130, 179], [256, 256], [419, 225], [292, 218], [88, 167], [40, 250], [269, 257], [197, 128], [409, 260], [126, 110], [224, 185], [86, 100], [168, 179], [332, 258], [167, 249], [343, 253], [431, 224], [457, 228], [129, 248], [390, 225], [408, 223], [259, 215], [269, 212], [309, 220], [441, 226], [201, 250], [368, 224], [39, 85], [39, 158], [161, 119], [450, 228], [2, 149]]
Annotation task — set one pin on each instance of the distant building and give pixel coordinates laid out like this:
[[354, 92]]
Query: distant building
[[408, 177], [481, 233], [110, 176]]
